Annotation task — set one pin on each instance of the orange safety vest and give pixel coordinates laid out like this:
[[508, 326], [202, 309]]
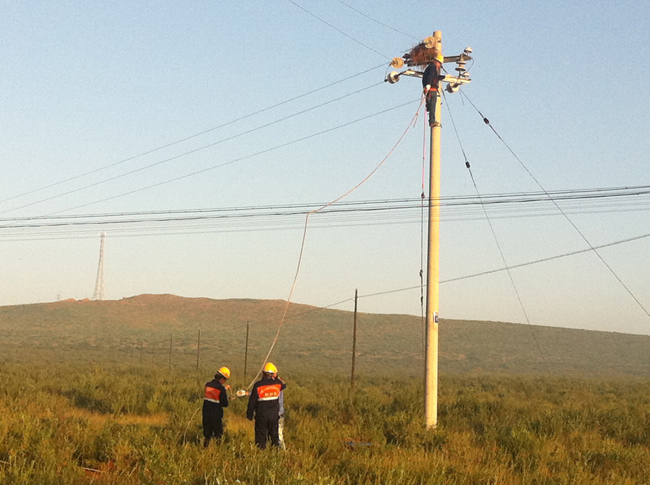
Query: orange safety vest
[[270, 392], [212, 394]]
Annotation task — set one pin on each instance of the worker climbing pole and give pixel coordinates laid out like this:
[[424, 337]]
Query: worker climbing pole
[[428, 55]]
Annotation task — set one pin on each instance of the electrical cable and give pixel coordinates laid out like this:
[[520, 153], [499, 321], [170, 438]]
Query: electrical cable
[[422, 212], [176, 157], [584, 238], [353, 212], [377, 21], [504, 199], [223, 125], [236, 160], [304, 237], [496, 239], [515, 266], [338, 30]]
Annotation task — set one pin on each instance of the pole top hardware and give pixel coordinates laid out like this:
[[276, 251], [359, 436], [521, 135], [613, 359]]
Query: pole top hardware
[[424, 54]]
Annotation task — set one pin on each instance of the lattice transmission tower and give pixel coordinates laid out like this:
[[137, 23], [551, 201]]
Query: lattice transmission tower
[[100, 292]]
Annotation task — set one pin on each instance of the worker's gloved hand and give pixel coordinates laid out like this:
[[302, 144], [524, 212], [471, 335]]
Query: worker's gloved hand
[[226, 387]]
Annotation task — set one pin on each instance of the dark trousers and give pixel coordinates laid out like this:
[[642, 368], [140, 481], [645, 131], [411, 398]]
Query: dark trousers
[[432, 99], [212, 427], [266, 427]]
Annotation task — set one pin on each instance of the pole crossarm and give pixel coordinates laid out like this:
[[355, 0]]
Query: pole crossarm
[[464, 57], [394, 76], [456, 80], [434, 45]]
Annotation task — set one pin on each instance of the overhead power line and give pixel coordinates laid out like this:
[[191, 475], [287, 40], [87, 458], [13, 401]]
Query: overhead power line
[[190, 152], [320, 19], [576, 199], [342, 214], [190, 137], [377, 21], [514, 266], [240, 159]]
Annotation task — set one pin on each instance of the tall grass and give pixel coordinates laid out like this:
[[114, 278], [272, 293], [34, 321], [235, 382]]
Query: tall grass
[[136, 424]]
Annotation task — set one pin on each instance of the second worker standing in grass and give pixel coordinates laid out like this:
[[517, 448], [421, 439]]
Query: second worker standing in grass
[[216, 398], [264, 405]]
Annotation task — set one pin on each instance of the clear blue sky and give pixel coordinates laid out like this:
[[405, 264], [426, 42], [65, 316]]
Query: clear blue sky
[[84, 86]]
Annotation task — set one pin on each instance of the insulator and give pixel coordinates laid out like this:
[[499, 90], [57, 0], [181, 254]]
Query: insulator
[[393, 77]]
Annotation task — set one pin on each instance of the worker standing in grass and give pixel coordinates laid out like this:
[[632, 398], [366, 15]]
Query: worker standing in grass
[[264, 405], [215, 399]]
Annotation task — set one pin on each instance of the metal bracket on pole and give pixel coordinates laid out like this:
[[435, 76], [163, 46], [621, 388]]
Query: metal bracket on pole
[[453, 82]]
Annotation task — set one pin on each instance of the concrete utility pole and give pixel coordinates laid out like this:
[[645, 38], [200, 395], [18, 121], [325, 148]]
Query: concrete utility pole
[[422, 55]]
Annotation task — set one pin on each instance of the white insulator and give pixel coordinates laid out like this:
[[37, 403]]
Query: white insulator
[[393, 77]]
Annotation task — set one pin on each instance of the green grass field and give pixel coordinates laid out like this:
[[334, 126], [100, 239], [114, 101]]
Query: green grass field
[[65, 423], [89, 395]]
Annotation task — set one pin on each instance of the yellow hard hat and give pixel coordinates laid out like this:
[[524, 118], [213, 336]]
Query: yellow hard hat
[[224, 371], [270, 368], [440, 58]]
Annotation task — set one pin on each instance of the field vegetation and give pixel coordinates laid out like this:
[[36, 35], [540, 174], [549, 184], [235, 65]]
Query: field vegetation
[[139, 329], [67, 423], [93, 392]]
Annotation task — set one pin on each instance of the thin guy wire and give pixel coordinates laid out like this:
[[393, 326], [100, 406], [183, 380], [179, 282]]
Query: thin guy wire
[[496, 240], [584, 238], [422, 212], [520, 265]]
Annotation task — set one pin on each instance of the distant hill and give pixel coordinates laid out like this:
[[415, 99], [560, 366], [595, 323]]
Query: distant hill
[[140, 328]]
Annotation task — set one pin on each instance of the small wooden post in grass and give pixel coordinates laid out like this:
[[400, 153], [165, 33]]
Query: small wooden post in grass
[[170, 352], [246, 351], [354, 337], [198, 349]]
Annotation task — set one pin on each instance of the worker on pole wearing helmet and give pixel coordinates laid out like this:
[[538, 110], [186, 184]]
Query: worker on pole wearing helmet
[[215, 399], [264, 405], [431, 84]]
